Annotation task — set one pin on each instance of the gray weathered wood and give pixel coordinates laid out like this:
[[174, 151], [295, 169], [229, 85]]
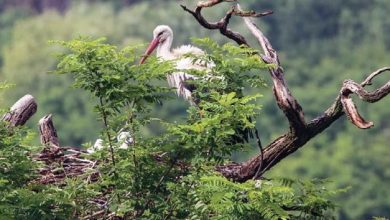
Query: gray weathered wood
[[21, 111], [48, 132]]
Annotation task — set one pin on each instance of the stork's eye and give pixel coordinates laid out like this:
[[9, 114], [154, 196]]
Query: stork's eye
[[159, 34]]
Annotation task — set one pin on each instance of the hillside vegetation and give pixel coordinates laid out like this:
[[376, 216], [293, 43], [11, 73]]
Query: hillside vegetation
[[320, 43]]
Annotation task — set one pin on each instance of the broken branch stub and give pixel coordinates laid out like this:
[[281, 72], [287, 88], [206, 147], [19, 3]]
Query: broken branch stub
[[48, 132], [21, 111]]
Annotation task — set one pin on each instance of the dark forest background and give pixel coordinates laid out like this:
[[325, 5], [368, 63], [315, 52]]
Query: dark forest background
[[321, 43]]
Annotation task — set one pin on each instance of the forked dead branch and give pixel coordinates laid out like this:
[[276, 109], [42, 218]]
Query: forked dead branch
[[300, 131]]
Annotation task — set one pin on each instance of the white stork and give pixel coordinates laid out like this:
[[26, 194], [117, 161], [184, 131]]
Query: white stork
[[162, 40]]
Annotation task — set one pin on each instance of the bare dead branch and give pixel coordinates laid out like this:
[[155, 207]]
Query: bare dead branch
[[300, 131], [288, 143], [367, 81], [353, 115], [21, 111], [47, 132], [224, 22], [210, 3], [251, 13], [94, 215], [286, 102], [221, 25], [350, 109], [269, 53], [292, 141]]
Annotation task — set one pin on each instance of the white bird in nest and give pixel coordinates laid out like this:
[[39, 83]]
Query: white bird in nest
[[162, 40], [97, 146], [124, 138]]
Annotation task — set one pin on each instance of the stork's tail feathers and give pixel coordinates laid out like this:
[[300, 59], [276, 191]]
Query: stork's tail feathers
[[181, 81]]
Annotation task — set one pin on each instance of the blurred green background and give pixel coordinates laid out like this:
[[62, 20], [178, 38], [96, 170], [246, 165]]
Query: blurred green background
[[321, 43]]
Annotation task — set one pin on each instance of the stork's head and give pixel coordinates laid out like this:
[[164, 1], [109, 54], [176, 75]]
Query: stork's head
[[162, 34]]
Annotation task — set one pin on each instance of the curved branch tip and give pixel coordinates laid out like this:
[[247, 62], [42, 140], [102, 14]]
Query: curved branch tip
[[368, 80]]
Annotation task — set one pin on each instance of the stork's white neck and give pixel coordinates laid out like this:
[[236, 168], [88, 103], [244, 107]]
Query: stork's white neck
[[164, 49]]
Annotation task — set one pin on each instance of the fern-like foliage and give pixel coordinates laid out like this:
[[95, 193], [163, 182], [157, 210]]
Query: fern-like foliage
[[169, 176], [216, 197]]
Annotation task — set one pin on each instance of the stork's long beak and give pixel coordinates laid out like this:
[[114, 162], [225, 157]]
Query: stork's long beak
[[150, 49]]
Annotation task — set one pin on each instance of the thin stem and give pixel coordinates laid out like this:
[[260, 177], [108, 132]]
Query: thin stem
[[103, 112], [257, 175], [132, 132], [173, 206], [106, 128], [141, 212]]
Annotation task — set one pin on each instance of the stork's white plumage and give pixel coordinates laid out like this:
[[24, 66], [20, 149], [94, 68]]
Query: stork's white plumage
[[124, 139], [162, 40], [96, 147]]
